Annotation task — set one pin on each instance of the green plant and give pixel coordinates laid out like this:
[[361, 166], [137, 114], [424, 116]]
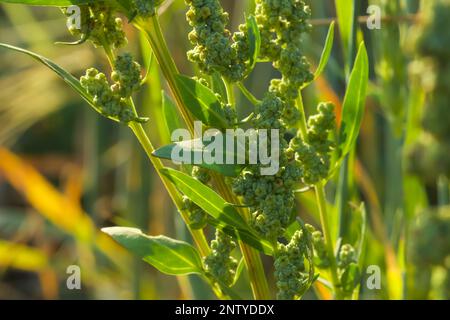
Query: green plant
[[254, 211]]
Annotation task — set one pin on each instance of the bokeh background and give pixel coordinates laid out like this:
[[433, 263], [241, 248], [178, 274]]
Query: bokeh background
[[65, 171]]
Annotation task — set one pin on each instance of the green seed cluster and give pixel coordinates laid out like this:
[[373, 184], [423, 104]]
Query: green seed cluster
[[146, 8], [271, 198], [347, 255], [112, 100], [269, 113], [430, 238], [126, 75], [282, 24], [429, 157], [313, 153], [220, 264], [348, 270], [214, 49], [100, 26], [290, 271], [197, 216], [321, 259]]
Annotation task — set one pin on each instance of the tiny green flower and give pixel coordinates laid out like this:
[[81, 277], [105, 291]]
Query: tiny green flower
[[220, 264]]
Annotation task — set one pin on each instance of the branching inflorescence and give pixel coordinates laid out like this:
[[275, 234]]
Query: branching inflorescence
[[214, 49], [271, 199]]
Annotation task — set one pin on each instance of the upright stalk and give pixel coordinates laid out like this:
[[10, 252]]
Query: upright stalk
[[153, 32], [322, 204]]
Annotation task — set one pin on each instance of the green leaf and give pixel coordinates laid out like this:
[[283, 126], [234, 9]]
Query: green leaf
[[344, 11], [254, 39], [218, 86], [224, 215], [171, 117], [205, 198], [65, 75], [59, 3], [73, 82], [196, 149], [201, 102], [169, 256], [326, 53], [239, 270], [354, 103], [350, 278]]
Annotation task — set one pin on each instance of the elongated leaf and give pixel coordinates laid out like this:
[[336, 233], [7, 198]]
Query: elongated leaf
[[202, 102], [254, 38], [73, 82], [206, 198], [239, 270], [344, 11], [326, 53], [58, 3], [65, 75], [195, 149], [354, 103], [224, 215], [169, 256], [218, 86]]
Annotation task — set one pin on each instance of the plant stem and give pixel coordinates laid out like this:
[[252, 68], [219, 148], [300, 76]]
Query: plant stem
[[153, 32], [197, 235], [302, 122], [322, 205], [247, 94], [252, 259], [230, 92]]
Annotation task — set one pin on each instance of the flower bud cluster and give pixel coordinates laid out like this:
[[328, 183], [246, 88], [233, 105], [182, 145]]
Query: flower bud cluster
[[291, 276], [197, 216], [214, 49], [111, 100], [220, 264], [348, 270], [126, 75], [99, 25], [146, 8], [321, 259], [313, 153], [282, 24], [271, 198]]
